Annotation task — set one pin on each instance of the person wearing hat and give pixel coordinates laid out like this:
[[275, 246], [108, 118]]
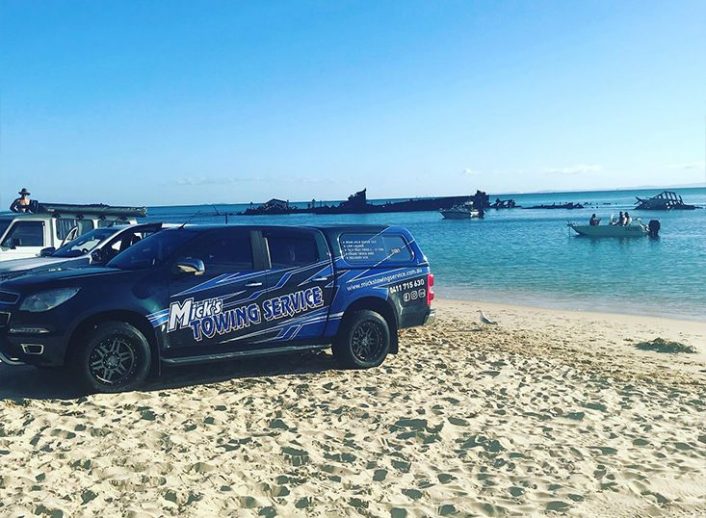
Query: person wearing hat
[[23, 203]]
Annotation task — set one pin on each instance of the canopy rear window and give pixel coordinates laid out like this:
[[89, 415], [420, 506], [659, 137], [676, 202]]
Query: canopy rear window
[[368, 248]]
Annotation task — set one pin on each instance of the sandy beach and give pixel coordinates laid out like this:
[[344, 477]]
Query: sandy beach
[[546, 412]]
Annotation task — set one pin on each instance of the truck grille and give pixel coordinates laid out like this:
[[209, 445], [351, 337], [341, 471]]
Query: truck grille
[[7, 297]]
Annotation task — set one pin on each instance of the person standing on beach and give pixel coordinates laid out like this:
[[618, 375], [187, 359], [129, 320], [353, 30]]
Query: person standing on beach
[[23, 203]]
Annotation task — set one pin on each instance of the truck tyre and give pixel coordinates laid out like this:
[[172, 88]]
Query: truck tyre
[[113, 357], [363, 340]]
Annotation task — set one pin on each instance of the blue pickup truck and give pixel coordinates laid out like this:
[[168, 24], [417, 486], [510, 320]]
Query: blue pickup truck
[[196, 294]]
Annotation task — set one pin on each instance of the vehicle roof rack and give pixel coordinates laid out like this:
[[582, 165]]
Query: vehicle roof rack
[[95, 209]]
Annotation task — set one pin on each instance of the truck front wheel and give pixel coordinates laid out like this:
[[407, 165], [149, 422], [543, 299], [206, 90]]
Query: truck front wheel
[[114, 357], [363, 340]]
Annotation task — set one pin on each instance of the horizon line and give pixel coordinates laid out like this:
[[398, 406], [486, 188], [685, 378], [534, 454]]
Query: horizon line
[[517, 193]]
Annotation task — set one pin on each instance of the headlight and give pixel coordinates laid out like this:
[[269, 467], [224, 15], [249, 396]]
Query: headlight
[[46, 300]]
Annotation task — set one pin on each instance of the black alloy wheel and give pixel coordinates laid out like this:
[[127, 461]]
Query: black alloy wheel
[[113, 360], [113, 357], [368, 340], [363, 341]]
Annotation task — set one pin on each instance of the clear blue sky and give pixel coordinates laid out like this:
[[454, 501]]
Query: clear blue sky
[[168, 102]]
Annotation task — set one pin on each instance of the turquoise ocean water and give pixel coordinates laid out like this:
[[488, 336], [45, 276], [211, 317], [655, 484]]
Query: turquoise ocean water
[[530, 257]]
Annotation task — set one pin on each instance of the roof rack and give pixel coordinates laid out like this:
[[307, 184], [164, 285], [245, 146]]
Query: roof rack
[[95, 209]]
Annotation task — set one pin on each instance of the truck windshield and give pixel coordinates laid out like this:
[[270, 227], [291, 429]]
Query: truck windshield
[[86, 243], [153, 251]]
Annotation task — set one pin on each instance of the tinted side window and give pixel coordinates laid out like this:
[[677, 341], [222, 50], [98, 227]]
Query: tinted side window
[[105, 222], [85, 225], [64, 226], [375, 248], [124, 241], [292, 249], [227, 250], [25, 233]]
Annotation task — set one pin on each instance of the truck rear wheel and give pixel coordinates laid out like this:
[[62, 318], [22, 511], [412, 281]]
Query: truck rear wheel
[[363, 341], [115, 357]]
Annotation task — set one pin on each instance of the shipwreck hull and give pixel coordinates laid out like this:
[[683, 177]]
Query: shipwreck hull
[[666, 200], [358, 204]]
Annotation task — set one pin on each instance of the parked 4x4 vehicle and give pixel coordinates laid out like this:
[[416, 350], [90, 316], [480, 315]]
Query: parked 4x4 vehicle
[[196, 294], [96, 247], [25, 235]]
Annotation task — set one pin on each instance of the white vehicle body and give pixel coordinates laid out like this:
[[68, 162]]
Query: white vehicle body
[[95, 247], [25, 235]]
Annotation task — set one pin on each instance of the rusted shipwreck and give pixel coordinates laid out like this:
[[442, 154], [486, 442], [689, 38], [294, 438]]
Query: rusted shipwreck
[[568, 206], [357, 203], [666, 200]]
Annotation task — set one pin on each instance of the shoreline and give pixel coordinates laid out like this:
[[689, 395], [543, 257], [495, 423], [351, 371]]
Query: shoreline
[[522, 317], [457, 294], [612, 334]]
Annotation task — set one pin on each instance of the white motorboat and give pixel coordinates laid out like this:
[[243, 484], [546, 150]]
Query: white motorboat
[[465, 211], [634, 229]]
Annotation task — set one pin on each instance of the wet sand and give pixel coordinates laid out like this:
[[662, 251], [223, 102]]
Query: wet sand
[[549, 411]]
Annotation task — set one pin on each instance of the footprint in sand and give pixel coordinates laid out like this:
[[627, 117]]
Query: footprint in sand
[[52, 513], [295, 456], [379, 475], [267, 512], [147, 413], [401, 465], [88, 496], [247, 502], [445, 478], [413, 494], [304, 502], [203, 467], [557, 506], [516, 491], [63, 434]]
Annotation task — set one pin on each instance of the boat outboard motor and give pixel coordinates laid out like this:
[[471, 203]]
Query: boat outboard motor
[[654, 227]]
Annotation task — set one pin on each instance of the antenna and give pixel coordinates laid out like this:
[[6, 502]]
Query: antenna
[[218, 213], [191, 218], [202, 213]]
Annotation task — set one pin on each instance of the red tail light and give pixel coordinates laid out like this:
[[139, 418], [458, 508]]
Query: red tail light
[[430, 288]]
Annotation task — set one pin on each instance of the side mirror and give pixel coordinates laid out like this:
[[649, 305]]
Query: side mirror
[[191, 266], [97, 256], [46, 252]]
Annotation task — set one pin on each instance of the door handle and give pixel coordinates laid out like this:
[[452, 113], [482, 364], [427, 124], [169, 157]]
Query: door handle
[[253, 285], [319, 279]]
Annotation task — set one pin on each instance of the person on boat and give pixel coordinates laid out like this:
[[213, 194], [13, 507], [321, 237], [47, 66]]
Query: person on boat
[[23, 203], [628, 219], [594, 221]]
